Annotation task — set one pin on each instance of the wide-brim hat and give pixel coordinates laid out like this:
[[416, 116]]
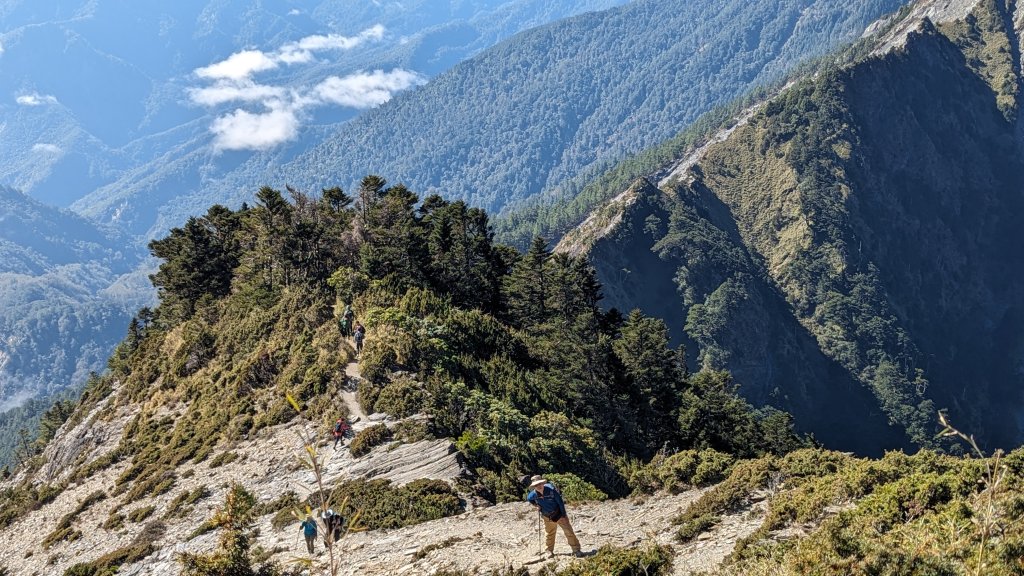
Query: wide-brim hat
[[538, 482]]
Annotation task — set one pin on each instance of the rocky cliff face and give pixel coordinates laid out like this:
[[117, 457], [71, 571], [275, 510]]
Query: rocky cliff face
[[853, 251]]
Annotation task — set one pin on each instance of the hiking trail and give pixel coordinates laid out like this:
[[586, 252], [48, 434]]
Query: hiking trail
[[349, 394]]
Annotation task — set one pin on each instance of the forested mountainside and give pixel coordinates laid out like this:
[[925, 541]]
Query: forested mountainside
[[65, 304], [186, 457], [852, 253], [549, 105], [507, 354], [101, 92]]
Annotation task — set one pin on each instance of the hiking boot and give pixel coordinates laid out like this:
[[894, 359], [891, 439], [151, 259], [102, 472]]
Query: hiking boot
[[578, 554], [548, 555]]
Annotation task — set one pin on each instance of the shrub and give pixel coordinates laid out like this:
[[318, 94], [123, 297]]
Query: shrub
[[401, 398], [412, 431], [367, 393], [108, 564], [650, 560], [575, 489], [180, 506], [223, 458], [681, 471], [386, 506], [113, 522], [63, 530], [746, 477], [232, 557], [282, 509], [695, 526], [140, 514], [368, 438], [17, 501]]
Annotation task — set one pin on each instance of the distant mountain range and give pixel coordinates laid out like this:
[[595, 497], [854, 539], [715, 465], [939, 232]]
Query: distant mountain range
[[96, 89], [555, 103], [141, 116], [852, 250]]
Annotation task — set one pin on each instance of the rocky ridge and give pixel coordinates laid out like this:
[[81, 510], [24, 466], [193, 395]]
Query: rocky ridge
[[481, 539]]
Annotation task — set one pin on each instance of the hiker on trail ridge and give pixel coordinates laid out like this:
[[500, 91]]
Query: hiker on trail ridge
[[308, 527], [347, 316], [334, 522], [548, 501], [340, 428], [359, 334]]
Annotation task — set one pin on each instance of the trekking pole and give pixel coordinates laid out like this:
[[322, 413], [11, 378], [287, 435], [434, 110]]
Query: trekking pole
[[540, 536]]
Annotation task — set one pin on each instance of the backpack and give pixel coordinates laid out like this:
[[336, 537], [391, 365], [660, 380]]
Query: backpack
[[339, 426]]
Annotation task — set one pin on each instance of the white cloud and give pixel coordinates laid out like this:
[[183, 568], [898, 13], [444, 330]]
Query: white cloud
[[1, 48], [241, 65], [47, 148], [16, 400], [225, 91], [238, 66], [243, 130], [35, 99], [285, 108], [362, 90], [294, 12]]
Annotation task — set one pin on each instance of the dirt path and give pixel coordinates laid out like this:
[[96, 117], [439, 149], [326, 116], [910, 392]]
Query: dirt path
[[349, 396], [507, 535]]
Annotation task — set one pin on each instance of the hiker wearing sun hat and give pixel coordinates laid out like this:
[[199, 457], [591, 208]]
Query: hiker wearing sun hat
[[548, 501]]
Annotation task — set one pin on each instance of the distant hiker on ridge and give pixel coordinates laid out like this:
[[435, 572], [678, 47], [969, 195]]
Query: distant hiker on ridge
[[548, 501], [308, 527], [340, 428], [347, 316], [359, 334]]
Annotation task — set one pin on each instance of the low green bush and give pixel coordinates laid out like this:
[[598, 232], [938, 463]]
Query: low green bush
[[401, 398], [64, 532], [412, 431], [109, 564], [650, 560], [576, 489], [367, 393], [140, 514], [182, 503], [223, 458], [681, 471], [385, 506], [368, 438], [113, 522]]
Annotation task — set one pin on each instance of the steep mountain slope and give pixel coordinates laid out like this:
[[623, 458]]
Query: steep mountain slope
[[864, 226], [100, 93], [480, 364], [552, 104], [67, 292]]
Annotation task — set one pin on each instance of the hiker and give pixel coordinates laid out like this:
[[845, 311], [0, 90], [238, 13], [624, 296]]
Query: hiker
[[308, 527], [341, 427], [334, 525], [548, 501], [359, 334], [334, 522], [347, 316]]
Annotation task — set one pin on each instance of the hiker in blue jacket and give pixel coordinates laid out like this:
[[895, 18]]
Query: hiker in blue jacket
[[308, 527], [548, 501]]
